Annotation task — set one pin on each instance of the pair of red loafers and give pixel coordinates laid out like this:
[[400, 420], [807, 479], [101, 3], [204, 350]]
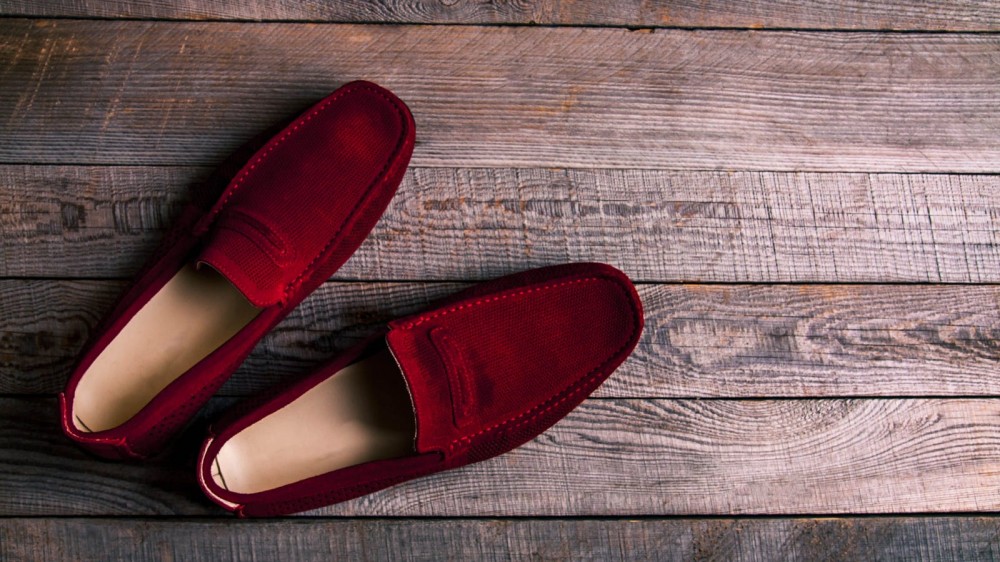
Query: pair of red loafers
[[476, 375]]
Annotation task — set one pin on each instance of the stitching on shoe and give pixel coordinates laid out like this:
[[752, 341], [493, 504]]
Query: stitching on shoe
[[383, 174], [260, 159], [266, 247], [381, 178], [272, 243], [460, 383], [574, 387], [440, 313]]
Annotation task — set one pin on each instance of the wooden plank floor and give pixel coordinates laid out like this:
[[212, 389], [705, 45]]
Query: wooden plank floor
[[807, 193]]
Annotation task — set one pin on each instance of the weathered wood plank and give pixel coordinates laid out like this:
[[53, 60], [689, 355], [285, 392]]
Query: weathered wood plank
[[470, 224], [608, 458], [962, 15], [699, 340], [737, 540], [188, 93]]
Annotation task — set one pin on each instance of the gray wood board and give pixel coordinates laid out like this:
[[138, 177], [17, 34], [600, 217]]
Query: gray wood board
[[187, 93], [609, 457], [963, 15], [472, 224], [732, 540], [699, 340]]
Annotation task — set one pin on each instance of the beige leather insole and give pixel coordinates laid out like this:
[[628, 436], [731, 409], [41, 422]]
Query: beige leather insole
[[361, 413], [192, 315]]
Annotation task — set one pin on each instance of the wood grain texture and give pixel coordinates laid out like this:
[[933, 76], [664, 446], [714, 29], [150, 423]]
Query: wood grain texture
[[188, 93], [44, 473], [961, 15], [734, 540], [609, 457], [699, 340], [472, 224]]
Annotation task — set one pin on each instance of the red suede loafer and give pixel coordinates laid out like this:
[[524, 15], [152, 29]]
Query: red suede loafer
[[225, 275], [476, 376]]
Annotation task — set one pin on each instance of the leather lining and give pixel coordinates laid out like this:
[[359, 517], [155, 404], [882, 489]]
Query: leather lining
[[187, 319], [361, 413]]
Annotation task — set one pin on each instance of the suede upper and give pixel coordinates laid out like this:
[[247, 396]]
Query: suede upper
[[477, 365], [305, 191], [487, 369], [298, 208]]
